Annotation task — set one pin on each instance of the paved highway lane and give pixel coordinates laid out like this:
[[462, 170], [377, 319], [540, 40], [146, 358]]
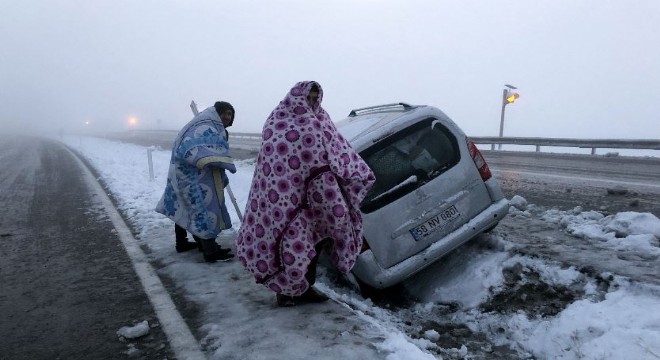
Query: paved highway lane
[[66, 282], [605, 184], [622, 169]]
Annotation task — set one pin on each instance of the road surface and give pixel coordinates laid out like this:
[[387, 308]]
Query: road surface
[[564, 181], [67, 284]]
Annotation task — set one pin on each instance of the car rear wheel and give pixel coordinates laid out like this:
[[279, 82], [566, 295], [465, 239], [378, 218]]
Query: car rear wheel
[[367, 291], [395, 295]]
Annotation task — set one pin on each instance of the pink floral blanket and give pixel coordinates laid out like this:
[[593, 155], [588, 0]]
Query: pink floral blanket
[[307, 186]]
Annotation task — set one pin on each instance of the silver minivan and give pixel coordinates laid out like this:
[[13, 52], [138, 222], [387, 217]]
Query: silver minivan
[[433, 191]]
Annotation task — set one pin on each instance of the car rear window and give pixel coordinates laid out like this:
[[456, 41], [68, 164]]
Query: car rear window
[[407, 160]]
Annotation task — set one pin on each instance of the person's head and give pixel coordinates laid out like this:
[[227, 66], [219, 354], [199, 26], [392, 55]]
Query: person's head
[[313, 96], [226, 112]]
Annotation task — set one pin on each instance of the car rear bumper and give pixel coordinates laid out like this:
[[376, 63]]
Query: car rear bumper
[[367, 269]]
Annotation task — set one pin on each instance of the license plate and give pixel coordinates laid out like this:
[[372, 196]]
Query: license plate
[[435, 223]]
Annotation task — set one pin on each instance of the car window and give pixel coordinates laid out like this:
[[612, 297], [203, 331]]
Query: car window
[[408, 159]]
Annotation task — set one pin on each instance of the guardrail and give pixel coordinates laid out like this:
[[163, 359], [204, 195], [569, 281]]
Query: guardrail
[[251, 136], [639, 144]]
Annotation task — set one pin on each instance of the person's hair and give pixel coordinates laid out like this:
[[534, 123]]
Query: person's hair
[[315, 88], [222, 106]]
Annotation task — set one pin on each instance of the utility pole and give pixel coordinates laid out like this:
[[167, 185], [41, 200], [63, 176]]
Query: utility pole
[[508, 97]]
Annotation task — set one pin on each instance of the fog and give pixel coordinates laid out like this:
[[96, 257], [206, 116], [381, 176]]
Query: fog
[[583, 69]]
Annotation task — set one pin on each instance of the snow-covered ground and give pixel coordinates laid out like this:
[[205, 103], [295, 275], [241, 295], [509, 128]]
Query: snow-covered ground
[[606, 317]]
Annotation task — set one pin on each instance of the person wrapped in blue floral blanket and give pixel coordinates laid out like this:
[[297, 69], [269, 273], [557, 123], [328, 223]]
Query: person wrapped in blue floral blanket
[[194, 193]]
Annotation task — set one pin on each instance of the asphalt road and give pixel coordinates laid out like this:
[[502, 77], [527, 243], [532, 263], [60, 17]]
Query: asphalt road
[[66, 282], [593, 182]]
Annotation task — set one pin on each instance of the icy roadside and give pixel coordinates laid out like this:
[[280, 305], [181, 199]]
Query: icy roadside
[[550, 284], [480, 299], [236, 318]]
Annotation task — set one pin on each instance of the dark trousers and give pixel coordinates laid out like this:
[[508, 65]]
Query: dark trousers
[[209, 246], [310, 276], [182, 234]]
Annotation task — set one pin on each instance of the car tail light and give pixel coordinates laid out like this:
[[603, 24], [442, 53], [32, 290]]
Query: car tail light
[[479, 161], [365, 245]]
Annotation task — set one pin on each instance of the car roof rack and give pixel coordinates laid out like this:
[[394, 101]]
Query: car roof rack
[[384, 107]]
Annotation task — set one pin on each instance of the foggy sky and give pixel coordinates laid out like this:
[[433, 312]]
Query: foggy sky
[[584, 69]]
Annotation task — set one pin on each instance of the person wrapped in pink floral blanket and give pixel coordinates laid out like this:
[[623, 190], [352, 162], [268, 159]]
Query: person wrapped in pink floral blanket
[[305, 197]]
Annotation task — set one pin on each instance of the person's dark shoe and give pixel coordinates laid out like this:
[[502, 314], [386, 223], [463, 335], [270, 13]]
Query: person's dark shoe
[[308, 297], [213, 246], [220, 255], [286, 301], [223, 249], [313, 296], [219, 249], [182, 246]]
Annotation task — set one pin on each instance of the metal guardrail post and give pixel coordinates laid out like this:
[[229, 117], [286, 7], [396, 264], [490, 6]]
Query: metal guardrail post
[[151, 164]]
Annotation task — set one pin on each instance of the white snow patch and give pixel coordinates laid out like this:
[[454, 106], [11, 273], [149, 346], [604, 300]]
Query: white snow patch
[[135, 331]]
